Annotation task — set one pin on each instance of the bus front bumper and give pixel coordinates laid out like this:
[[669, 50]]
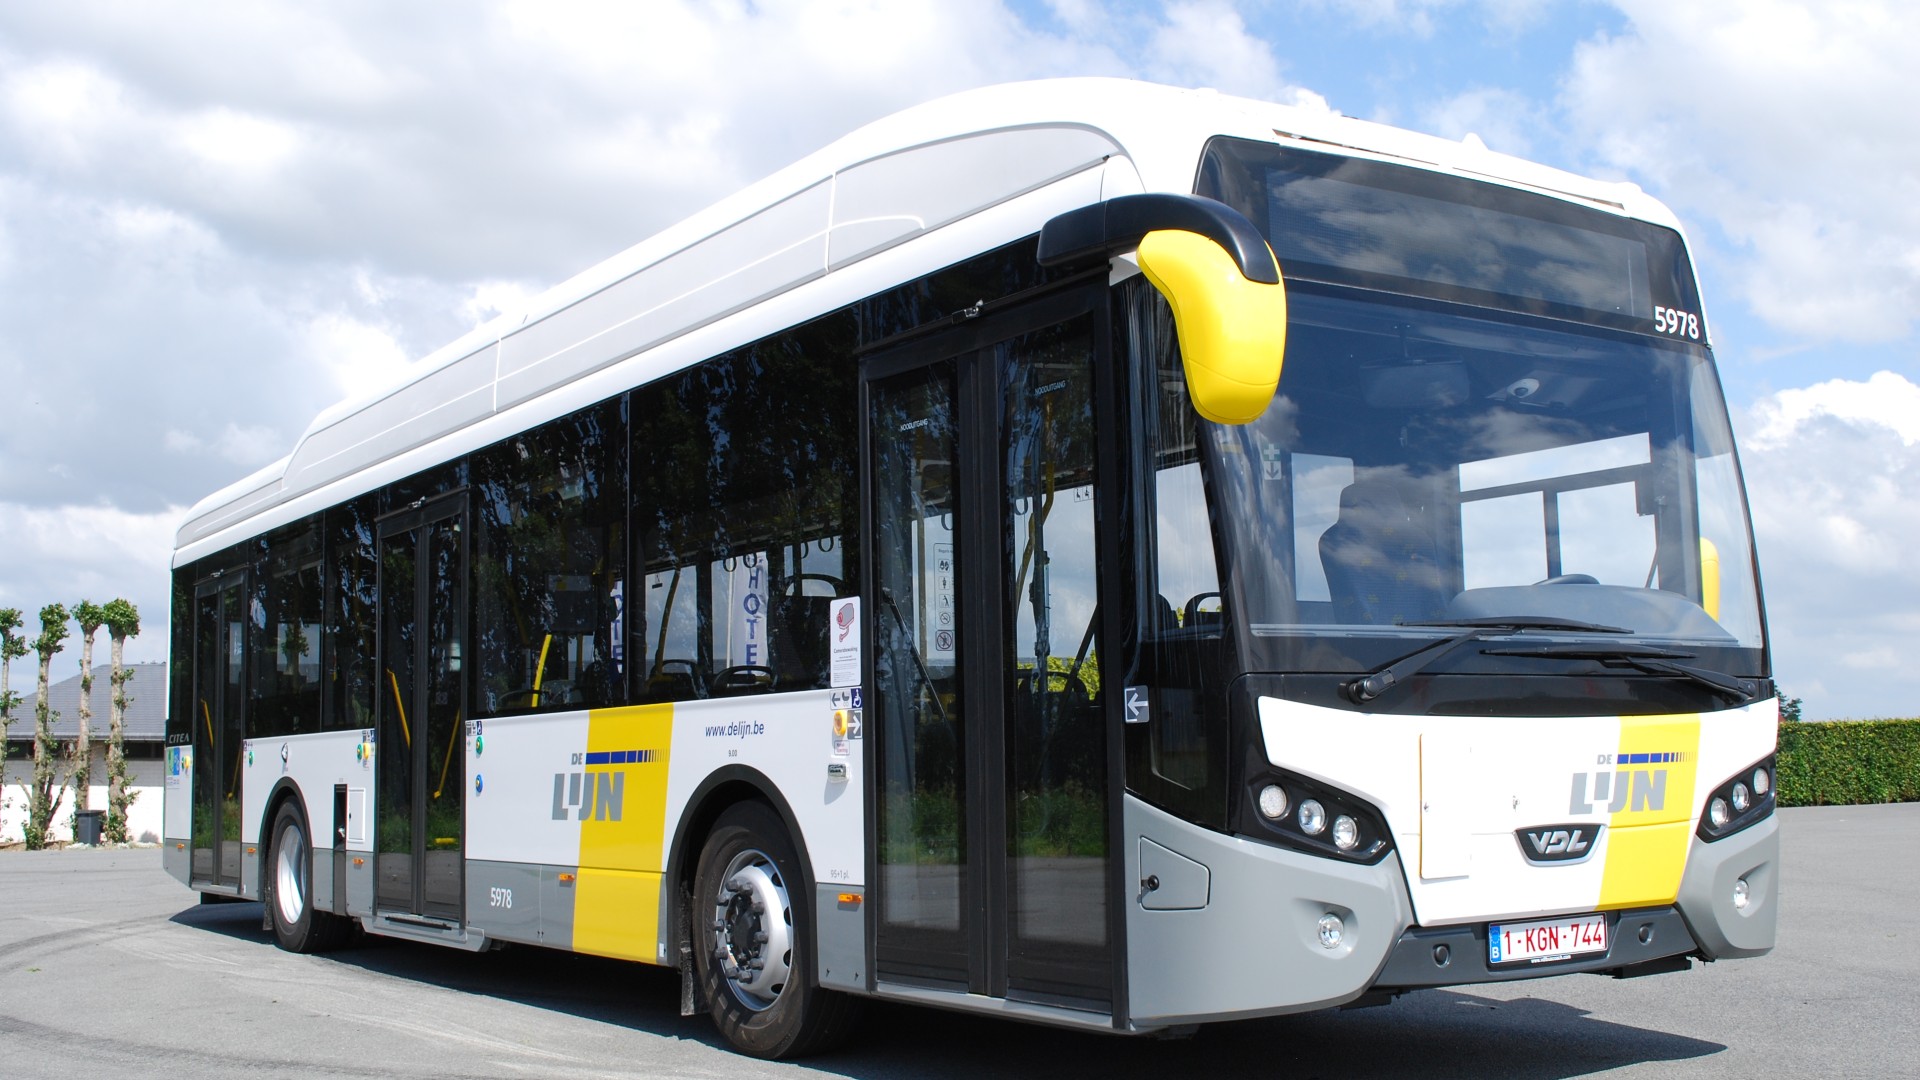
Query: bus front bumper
[[1230, 930]]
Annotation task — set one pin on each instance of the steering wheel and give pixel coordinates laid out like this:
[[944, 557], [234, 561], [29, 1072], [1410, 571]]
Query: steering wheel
[[1570, 579]]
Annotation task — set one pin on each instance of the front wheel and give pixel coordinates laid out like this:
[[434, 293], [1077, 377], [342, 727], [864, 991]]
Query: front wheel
[[749, 911], [287, 892]]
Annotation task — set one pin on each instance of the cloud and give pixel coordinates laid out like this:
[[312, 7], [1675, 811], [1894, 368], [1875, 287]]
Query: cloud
[[1885, 400], [1417, 17], [60, 554], [1769, 120], [1833, 472], [248, 446], [1502, 119]]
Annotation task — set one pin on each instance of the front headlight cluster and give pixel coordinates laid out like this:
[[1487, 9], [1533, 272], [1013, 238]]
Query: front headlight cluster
[[1313, 817], [1739, 802]]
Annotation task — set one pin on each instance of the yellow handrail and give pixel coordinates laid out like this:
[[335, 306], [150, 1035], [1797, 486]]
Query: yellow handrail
[[448, 760], [540, 673], [401, 707]]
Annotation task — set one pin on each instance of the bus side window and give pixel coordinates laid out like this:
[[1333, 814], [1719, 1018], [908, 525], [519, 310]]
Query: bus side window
[[550, 510], [1179, 757], [744, 497]]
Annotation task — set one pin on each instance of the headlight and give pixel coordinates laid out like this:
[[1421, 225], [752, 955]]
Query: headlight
[[1313, 817], [1346, 833], [1745, 798]]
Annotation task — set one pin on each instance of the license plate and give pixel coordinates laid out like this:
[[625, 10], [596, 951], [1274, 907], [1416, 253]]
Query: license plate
[[1547, 939]]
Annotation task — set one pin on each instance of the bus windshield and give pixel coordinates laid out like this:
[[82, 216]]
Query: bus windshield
[[1422, 465]]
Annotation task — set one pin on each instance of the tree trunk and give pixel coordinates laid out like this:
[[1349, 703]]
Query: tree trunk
[[119, 793], [82, 769], [43, 800]]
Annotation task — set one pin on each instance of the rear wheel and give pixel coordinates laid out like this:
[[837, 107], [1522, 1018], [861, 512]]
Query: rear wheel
[[297, 927], [749, 911]]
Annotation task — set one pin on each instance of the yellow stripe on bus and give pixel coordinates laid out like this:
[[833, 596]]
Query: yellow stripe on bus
[[1649, 836], [617, 902]]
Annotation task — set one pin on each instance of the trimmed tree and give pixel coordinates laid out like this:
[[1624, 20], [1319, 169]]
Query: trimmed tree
[[43, 797], [12, 647], [89, 615], [123, 622]]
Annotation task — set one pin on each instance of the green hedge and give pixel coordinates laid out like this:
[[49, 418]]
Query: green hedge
[[1844, 762]]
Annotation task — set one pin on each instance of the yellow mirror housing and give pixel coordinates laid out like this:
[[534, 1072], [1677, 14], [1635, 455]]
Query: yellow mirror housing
[[1233, 332], [1710, 578]]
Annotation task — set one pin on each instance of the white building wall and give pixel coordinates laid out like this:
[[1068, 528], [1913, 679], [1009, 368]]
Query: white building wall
[[143, 817]]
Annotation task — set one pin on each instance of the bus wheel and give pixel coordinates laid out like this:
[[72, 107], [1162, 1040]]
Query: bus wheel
[[748, 910], [288, 889]]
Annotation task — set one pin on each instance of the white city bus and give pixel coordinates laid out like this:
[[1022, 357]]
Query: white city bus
[[1087, 552]]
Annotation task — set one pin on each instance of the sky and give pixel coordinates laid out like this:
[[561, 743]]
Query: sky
[[218, 218]]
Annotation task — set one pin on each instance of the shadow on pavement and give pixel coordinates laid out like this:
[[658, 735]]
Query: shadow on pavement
[[1435, 1033]]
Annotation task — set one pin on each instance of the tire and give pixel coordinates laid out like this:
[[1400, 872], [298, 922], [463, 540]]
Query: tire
[[287, 890], [747, 887]]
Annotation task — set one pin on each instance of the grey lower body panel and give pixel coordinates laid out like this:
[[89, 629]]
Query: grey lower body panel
[[842, 937], [1253, 948], [524, 902], [1724, 929], [175, 860]]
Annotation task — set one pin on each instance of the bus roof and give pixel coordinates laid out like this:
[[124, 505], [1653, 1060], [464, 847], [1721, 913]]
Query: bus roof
[[1015, 153]]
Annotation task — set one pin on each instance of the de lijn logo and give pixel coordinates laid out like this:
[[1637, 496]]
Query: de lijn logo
[[596, 793], [1567, 843], [1633, 790]]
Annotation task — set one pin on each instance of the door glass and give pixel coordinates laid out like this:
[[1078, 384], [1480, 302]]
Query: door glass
[[207, 697], [923, 835], [393, 855], [232, 717], [1055, 738], [441, 711]]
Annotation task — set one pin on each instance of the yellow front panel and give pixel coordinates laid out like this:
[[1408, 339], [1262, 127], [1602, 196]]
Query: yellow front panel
[[1651, 826]]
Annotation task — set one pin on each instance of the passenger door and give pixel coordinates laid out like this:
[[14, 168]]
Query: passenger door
[[988, 717], [420, 805], [219, 723]]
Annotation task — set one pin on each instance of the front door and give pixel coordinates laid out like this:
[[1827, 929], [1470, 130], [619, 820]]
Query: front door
[[988, 716], [219, 725], [420, 811]]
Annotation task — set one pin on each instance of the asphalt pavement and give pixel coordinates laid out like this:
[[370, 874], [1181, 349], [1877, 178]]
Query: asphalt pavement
[[109, 968]]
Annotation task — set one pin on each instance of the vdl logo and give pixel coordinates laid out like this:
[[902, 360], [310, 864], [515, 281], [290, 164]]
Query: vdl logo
[[1558, 843]]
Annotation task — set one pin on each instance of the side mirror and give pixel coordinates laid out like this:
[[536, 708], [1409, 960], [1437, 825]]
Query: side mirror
[[1710, 578], [1218, 274]]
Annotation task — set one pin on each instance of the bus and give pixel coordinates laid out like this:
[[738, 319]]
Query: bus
[[1084, 552]]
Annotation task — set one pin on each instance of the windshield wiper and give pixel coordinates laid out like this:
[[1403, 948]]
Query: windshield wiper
[[1368, 687], [1651, 659]]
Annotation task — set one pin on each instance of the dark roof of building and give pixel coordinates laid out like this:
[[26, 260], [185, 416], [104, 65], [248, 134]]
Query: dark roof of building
[[146, 704]]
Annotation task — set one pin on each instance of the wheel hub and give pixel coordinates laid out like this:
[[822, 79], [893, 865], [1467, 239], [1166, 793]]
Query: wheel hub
[[290, 875], [753, 930]]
